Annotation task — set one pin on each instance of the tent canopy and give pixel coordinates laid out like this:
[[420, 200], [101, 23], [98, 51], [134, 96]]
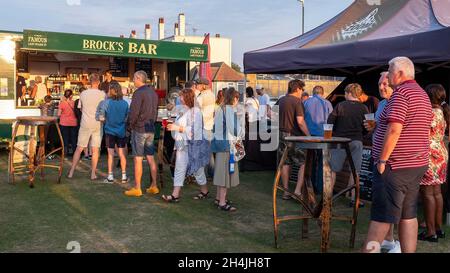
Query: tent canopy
[[363, 38]]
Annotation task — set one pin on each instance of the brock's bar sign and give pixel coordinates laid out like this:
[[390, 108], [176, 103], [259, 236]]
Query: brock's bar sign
[[112, 46]]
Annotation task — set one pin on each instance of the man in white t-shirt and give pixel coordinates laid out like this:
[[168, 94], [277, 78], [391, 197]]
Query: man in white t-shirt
[[264, 100], [39, 90], [206, 102], [90, 128]]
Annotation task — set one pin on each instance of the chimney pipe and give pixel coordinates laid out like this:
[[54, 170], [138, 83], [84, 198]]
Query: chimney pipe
[[182, 24], [133, 34], [161, 34], [176, 30], [148, 32]]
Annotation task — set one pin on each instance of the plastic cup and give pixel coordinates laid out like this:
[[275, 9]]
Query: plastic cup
[[328, 131], [165, 122], [370, 118]]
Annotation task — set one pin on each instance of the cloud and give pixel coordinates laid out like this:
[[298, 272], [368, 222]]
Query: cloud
[[73, 2]]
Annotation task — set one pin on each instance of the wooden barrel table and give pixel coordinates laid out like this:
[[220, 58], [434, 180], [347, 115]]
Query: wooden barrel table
[[36, 161], [318, 210]]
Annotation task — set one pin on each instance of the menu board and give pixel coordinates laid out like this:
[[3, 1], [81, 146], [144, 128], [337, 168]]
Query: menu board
[[119, 67], [366, 175], [144, 64]]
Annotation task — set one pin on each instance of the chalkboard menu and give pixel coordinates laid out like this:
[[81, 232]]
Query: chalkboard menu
[[144, 64], [366, 174], [119, 67]]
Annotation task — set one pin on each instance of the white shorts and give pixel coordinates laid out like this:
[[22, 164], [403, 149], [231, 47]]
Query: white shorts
[[93, 135]]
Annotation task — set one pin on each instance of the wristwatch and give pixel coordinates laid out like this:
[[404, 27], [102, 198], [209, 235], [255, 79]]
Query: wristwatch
[[382, 161]]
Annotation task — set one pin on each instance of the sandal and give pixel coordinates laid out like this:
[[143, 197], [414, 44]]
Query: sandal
[[286, 197], [217, 201], [227, 207], [170, 199], [201, 196]]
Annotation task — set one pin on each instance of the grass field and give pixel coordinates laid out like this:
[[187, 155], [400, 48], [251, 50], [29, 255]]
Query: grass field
[[102, 219]]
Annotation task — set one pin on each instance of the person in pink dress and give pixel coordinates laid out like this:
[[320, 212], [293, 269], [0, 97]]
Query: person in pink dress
[[436, 175]]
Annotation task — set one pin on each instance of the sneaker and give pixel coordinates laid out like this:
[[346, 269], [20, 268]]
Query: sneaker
[[108, 181], [396, 249], [134, 192], [153, 190], [124, 181], [386, 246]]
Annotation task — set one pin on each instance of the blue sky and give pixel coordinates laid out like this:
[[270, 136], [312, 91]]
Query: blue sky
[[252, 24]]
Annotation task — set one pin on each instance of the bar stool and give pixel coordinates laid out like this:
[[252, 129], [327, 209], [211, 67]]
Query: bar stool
[[35, 161]]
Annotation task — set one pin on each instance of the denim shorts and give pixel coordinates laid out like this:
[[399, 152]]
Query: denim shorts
[[296, 155], [142, 144], [339, 156]]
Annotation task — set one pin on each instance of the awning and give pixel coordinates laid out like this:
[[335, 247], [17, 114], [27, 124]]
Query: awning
[[364, 35], [34, 40]]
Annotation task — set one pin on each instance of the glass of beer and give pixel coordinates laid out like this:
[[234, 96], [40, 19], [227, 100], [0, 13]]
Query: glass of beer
[[328, 131], [370, 118]]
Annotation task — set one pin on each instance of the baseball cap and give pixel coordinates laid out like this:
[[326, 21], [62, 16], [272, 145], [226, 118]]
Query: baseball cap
[[259, 87], [204, 81]]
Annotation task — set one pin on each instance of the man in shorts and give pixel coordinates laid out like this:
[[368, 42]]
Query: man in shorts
[[142, 118], [292, 123], [401, 148], [90, 129]]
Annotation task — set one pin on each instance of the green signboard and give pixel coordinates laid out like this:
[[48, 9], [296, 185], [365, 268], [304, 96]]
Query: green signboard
[[112, 46]]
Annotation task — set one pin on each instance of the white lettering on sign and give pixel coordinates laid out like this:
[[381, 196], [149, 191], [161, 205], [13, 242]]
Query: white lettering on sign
[[37, 40], [102, 45], [142, 49], [197, 52]]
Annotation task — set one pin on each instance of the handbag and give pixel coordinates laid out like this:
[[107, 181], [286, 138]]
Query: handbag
[[238, 149], [199, 151], [236, 145]]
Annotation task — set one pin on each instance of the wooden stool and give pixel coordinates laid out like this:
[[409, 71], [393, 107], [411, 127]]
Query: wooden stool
[[322, 210], [35, 161]]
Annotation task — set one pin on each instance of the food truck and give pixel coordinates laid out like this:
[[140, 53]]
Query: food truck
[[64, 61]]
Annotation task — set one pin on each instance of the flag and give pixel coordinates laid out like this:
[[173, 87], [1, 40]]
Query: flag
[[205, 67]]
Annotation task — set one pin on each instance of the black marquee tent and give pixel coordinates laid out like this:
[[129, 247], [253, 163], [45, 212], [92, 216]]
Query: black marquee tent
[[359, 42]]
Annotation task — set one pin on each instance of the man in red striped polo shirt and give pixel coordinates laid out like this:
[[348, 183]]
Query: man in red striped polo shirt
[[400, 152]]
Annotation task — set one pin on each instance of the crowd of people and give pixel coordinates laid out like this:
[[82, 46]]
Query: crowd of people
[[203, 132], [409, 153]]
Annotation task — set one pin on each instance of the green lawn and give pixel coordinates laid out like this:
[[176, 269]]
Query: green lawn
[[102, 219]]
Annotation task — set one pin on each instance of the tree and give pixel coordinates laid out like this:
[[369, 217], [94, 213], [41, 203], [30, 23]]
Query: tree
[[236, 67]]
